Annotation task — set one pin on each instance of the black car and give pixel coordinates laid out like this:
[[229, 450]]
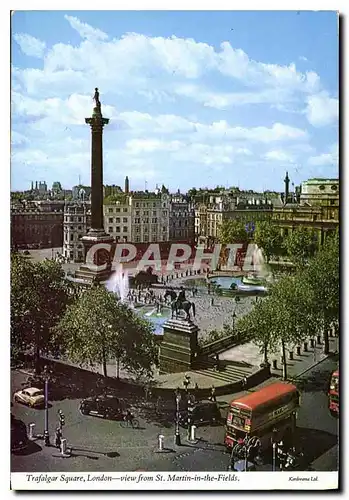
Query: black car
[[19, 437], [105, 405], [204, 412]]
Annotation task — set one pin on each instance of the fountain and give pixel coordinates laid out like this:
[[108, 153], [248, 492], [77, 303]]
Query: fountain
[[260, 273], [118, 283]]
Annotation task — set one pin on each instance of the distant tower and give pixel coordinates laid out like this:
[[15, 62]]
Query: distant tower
[[32, 188], [287, 187], [36, 185], [127, 185]]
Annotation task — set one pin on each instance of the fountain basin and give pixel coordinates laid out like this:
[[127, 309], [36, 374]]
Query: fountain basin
[[157, 319]]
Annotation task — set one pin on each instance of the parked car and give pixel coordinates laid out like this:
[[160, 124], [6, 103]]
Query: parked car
[[104, 405], [204, 412], [30, 396], [19, 437]]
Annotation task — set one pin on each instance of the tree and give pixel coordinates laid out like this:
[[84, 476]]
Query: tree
[[300, 245], [39, 296], [267, 237], [232, 231], [292, 319], [98, 327], [259, 324], [321, 278]]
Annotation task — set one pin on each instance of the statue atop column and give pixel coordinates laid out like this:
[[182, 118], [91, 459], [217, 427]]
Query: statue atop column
[[96, 99]]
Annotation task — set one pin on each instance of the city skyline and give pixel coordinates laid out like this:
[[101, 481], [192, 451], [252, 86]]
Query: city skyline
[[192, 96]]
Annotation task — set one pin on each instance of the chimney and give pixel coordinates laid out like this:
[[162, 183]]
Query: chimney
[[127, 185], [36, 185], [32, 186]]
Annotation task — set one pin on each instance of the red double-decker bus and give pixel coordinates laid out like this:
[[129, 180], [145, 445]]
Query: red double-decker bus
[[333, 394], [266, 413]]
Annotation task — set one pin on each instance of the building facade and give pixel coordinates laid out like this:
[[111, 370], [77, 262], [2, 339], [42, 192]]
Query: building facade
[[322, 193], [150, 217], [182, 219], [36, 224], [77, 218], [118, 217]]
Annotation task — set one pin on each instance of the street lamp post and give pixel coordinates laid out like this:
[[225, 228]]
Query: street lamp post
[[177, 435], [234, 316], [46, 431]]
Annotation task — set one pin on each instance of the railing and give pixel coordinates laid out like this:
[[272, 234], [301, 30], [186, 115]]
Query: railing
[[222, 344]]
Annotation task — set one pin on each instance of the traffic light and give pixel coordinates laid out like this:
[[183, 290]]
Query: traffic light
[[190, 412], [61, 418]]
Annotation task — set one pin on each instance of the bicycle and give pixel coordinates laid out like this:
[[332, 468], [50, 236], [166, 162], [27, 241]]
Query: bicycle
[[129, 421]]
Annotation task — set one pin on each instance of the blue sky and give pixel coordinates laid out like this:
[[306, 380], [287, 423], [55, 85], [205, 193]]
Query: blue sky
[[194, 98]]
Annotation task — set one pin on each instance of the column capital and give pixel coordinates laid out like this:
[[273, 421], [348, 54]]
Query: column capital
[[97, 122]]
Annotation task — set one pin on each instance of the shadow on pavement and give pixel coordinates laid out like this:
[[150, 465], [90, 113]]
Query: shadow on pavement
[[314, 443], [32, 447]]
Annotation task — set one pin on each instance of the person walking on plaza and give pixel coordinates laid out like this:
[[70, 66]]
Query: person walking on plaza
[[58, 437], [213, 394]]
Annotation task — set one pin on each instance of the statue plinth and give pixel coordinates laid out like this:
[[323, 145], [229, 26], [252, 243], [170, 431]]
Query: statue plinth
[[179, 347]]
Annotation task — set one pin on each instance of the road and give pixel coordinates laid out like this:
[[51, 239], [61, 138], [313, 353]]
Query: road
[[101, 445]]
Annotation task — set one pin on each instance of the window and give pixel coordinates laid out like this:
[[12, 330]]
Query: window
[[146, 229], [164, 228], [124, 220], [110, 220], [154, 204], [332, 202], [137, 220], [322, 187], [79, 228], [79, 219], [164, 213], [117, 210], [154, 220], [146, 220], [137, 204], [137, 239], [125, 229], [110, 210], [124, 209], [138, 212], [137, 229], [146, 212], [110, 229], [71, 236], [117, 220]]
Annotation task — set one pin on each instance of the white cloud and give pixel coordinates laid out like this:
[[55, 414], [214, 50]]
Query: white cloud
[[30, 45], [321, 109], [278, 155], [85, 30], [303, 58], [330, 158], [137, 146]]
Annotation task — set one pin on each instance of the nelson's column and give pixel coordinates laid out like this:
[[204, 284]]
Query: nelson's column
[[101, 269]]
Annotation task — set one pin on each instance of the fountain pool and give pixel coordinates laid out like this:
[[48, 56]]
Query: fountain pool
[[157, 319]]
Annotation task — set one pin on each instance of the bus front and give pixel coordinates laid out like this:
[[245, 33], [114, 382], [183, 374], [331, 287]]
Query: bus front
[[238, 425]]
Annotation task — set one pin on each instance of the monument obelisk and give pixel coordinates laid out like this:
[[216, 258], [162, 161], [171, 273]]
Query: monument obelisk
[[96, 234]]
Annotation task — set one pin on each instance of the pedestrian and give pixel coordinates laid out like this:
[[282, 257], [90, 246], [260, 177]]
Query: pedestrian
[[217, 362], [213, 394], [58, 439]]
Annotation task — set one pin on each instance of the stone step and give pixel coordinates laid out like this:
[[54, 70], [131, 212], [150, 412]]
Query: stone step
[[202, 365], [226, 375]]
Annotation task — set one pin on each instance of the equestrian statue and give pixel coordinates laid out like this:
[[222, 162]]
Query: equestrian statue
[[180, 303]]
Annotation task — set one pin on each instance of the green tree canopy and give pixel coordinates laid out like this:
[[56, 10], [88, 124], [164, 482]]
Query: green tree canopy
[[39, 296], [232, 231], [267, 236], [300, 245], [98, 328]]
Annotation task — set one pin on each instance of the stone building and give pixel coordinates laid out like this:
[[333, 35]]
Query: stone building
[[150, 214], [36, 225], [182, 218], [118, 217], [77, 218]]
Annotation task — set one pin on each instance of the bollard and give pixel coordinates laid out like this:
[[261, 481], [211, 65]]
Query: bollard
[[318, 339], [64, 446], [192, 433], [305, 346], [275, 364], [31, 431], [298, 350], [290, 355], [161, 442]]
